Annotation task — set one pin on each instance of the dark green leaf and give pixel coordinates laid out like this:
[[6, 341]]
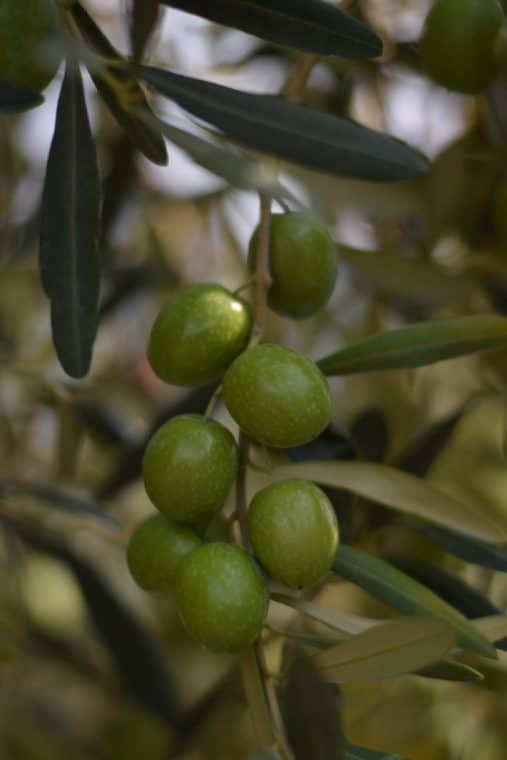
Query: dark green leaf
[[419, 345], [136, 655], [14, 99], [120, 90], [470, 602], [311, 710], [53, 497], [70, 218], [310, 25], [292, 131], [423, 451], [391, 586], [450, 670], [469, 549], [353, 752], [144, 17]]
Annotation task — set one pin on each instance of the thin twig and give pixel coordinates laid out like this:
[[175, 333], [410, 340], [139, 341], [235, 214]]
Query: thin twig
[[262, 275]]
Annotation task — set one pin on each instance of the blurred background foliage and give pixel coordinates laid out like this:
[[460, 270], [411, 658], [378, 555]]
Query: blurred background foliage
[[90, 667]]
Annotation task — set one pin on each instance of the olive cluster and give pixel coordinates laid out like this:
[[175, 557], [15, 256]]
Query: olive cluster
[[278, 398]]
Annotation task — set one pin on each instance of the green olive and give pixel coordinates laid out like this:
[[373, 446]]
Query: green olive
[[221, 596], [277, 396], [27, 30], [462, 45], [302, 261], [294, 532], [197, 334], [155, 550], [189, 467]]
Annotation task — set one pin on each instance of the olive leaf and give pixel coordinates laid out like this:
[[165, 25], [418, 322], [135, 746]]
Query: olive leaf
[[310, 709], [418, 345], [344, 623], [395, 489], [119, 88], [467, 548], [14, 99], [387, 650], [310, 25], [69, 229], [492, 627], [291, 131], [451, 670], [57, 498], [144, 17], [353, 752], [391, 586]]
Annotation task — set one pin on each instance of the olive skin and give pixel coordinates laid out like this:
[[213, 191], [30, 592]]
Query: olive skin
[[189, 467], [221, 596], [277, 396], [461, 45], [294, 532], [197, 334], [302, 262], [155, 550], [26, 30]]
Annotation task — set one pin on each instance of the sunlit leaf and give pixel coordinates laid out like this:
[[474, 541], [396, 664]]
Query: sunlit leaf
[[14, 99], [492, 627], [117, 85], [291, 131], [310, 710], [391, 586], [387, 650], [467, 548], [398, 490], [344, 622], [310, 25], [418, 345], [70, 218]]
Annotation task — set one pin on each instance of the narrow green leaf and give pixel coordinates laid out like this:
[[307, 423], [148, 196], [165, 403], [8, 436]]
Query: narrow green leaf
[[343, 622], [309, 25], [292, 131], [14, 99], [387, 650], [467, 548], [398, 490], [419, 345], [144, 18], [116, 83], [451, 670], [70, 218], [310, 709], [454, 590], [391, 586], [353, 752]]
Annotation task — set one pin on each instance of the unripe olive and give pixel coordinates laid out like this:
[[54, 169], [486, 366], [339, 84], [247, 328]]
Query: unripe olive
[[189, 467], [302, 263], [27, 28], [277, 396], [462, 45], [294, 532], [221, 596], [197, 334], [155, 550]]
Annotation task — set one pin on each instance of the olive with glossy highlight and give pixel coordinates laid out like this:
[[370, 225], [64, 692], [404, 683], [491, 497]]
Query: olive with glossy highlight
[[294, 532], [222, 597], [277, 396], [189, 467], [197, 334], [302, 263]]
